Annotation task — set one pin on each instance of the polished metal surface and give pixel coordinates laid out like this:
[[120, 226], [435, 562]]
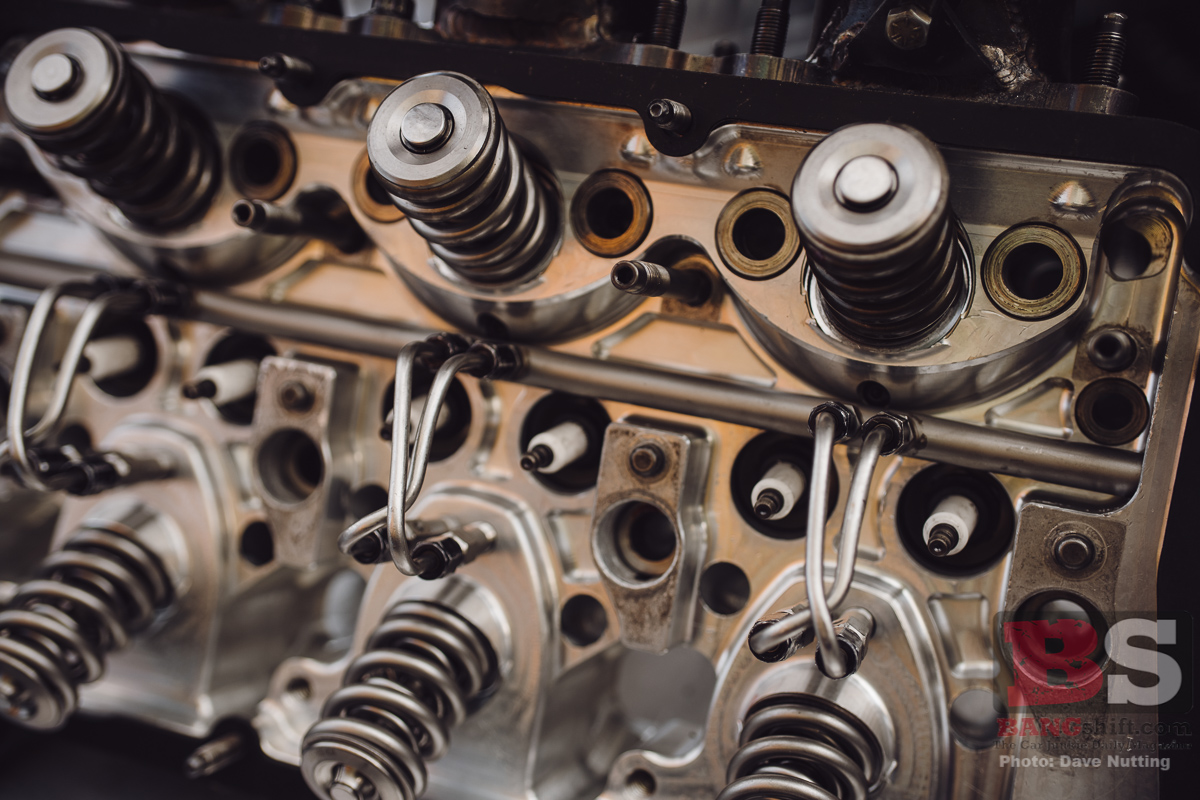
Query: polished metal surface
[[558, 468]]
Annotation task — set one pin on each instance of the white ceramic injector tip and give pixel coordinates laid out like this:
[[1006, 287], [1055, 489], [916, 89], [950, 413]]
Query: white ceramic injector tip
[[776, 493], [225, 383], [950, 526], [553, 449], [111, 356]]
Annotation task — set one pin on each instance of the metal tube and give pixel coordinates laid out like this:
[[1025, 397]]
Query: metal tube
[[786, 628], [824, 435], [1075, 465]]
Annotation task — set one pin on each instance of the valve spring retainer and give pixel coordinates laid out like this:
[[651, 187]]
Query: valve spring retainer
[[79, 97]]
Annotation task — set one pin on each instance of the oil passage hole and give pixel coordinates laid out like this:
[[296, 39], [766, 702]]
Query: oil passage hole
[[724, 588], [609, 213], [583, 620], [257, 546], [1032, 271], [291, 466], [1112, 411], [759, 234], [874, 394]]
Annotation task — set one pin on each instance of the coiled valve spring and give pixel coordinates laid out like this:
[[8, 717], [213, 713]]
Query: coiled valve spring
[[91, 595], [77, 95], [399, 701], [800, 747], [439, 147]]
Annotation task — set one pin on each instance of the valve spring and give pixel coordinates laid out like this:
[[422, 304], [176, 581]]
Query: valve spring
[[91, 595], [152, 154], [421, 669], [892, 301], [800, 747], [494, 219]]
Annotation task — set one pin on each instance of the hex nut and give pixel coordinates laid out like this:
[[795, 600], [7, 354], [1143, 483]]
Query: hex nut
[[908, 27]]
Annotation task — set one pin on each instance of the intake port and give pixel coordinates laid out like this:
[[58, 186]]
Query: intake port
[[756, 236], [561, 440], [770, 485], [262, 161], [229, 378], [955, 521], [1033, 271]]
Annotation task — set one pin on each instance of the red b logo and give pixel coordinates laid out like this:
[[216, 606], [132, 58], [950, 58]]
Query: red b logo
[[1032, 662]]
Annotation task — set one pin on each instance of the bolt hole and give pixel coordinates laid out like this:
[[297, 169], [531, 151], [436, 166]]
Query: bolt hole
[[1112, 350], [1058, 607], [583, 620], [300, 688], [262, 161], [610, 213], [759, 233], [366, 499], [291, 466], [257, 545], [724, 588], [1112, 411], [640, 542], [874, 394], [1032, 271], [1126, 248], [640, 783], [973, 717], [75, 435]]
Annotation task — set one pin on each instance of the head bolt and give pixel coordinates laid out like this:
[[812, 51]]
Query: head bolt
[[908, 27], [55, 77], [295, 396], [942, 539], [1074, 551], [647, 460], [426, 127]]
